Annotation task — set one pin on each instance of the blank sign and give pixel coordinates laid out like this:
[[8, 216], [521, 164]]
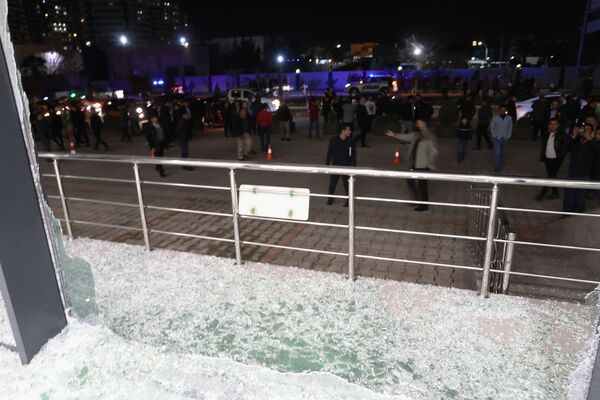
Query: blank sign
[[274, 202]]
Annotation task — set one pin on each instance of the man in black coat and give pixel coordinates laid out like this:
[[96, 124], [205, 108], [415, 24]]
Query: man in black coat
[[156, 139], [423, 110], [552, 154], [57, 128], [341, 151], [78, 121], [183, 133], [43, 130], [96, 126]]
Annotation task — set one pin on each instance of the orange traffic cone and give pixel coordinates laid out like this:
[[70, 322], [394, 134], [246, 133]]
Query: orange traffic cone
[[397, 155], [269, 154], [72, 148]]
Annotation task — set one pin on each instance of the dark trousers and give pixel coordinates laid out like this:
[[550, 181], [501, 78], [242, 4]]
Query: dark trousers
[[265, 137], [461, 149], [536, 129], [227, 127], [313, 124], [574, 200], [45, 141], [57, 137], [552, 167], [363, 136], [126, 135], [185, 148], [419, 187], [81, 136], [99, 140], [482, 132], [160, 151], [333, 181]]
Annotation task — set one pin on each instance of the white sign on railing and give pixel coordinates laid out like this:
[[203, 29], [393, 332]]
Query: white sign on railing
[[274, 202]]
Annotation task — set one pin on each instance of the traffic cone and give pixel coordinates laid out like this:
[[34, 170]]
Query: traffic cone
[[269, 154], [72, 148], [397, 155]]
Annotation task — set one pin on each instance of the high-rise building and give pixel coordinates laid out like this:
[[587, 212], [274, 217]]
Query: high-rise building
[[54, 22], [109, 23], [17, 22]]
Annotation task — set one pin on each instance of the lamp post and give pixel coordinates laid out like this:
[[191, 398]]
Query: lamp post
[[476, 43], [280, 62]]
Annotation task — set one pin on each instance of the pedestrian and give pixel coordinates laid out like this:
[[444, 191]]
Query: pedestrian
[[227, 118], [583, 152], [540, 113], [484, 116], [406, 114], [325, 109], [124, 124], [264, 122], [588, 111], [371, 111], [422, 152], [423, 110], [464, 132], [284, 116], [348, 114], [467, 107], [342, 152], [43, 130], [183, 134], [96, 127], [57, 127], [241, 132], [167, 121], [596, 168], [313, 118], [363, 120], [501, 130], [256, 106], [78, 120], [155, 138], [552, 153]]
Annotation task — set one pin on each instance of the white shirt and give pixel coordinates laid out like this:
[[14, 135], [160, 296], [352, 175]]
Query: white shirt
[[550, 150]]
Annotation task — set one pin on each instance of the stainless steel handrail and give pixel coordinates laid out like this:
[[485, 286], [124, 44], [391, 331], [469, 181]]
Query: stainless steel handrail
[[486, 220]]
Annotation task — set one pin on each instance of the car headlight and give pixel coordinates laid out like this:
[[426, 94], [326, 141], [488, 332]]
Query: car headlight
[[347, 85]]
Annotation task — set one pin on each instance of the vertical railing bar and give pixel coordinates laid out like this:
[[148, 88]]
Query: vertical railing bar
[[510, 249], [235, 213], [62, 199], [351, 228], [489, 246], [140, 193]]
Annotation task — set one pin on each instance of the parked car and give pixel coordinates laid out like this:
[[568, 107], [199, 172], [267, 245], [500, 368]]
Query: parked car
[[524, 107], [374, 84], [244, 94]]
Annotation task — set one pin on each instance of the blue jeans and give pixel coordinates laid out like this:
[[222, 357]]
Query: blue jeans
[[313, 124], [461, 149], [185, 149], [265, 137], [499, 146]]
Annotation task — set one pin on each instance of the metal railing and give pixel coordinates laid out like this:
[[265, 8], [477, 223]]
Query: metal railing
[[487, 234], [502, 252]]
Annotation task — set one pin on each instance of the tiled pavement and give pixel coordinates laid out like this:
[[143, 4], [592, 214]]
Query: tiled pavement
[[521, 160]]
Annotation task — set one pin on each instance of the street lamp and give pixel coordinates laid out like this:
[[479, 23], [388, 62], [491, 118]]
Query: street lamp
[[280, 62], [338, 46], [476, 43], [417, 51], [182, 41], [123, 40]]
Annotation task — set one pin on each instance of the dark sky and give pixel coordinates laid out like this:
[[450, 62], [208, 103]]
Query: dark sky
[[452, 22]]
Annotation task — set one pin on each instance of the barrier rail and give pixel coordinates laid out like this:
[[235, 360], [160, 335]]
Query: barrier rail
[[488, 231]]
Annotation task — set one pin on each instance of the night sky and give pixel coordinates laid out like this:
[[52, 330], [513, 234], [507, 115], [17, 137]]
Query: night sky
[[453, 22]]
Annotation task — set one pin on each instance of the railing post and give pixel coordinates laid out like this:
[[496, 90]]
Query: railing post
[[510, 249], [489, 245], [140, 193], [351, 228], [235, 213], [62, 199]]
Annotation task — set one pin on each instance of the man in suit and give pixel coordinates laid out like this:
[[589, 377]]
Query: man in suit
[[552, 154]]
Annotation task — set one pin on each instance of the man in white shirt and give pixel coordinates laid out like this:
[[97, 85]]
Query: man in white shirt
[[552, 155]]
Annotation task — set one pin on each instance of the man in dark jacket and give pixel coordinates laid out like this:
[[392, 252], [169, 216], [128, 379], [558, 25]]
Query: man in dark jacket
[[583, 152], [284, 116], [588, 111], [78, 121], [423, 110], [540, 113], [467, 108], [57, 128], [96, 126], [364, 121], [183, 133], [484, 117], [43, 130], [341, 151], [124, 124], [166, 121], [552, 154], [155, 137], [511, 107]]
